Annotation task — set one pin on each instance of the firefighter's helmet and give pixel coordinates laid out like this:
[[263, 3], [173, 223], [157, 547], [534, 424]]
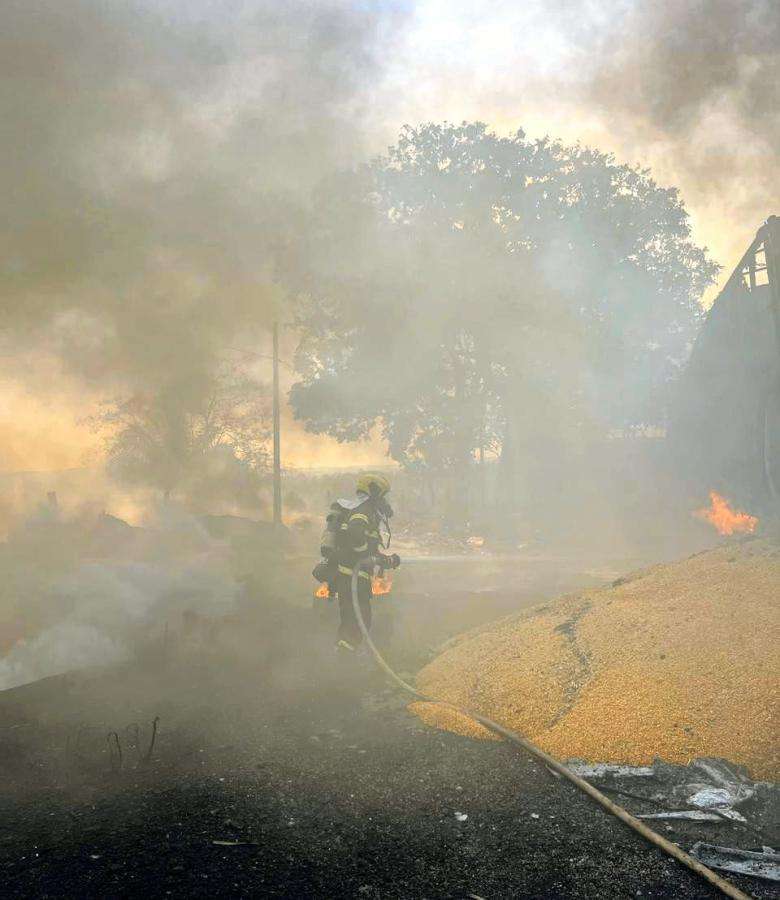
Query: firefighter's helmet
[[373, 484]]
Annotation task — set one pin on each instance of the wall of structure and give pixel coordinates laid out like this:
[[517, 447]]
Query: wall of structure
[[726, 421]]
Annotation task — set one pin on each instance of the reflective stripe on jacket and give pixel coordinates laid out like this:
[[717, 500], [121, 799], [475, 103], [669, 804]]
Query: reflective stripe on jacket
[[359, 538]]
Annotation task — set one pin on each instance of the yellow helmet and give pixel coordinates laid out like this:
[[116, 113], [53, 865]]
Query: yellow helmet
[[373, 484]]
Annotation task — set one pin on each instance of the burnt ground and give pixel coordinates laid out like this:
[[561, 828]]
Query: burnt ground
[[311, 773]]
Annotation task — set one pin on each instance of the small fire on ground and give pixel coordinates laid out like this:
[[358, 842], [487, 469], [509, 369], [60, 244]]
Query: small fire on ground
[[725, 519], [380, 584]]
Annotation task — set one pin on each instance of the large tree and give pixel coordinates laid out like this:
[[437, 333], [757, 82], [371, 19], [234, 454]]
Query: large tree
[[466, 282], [201, 439]]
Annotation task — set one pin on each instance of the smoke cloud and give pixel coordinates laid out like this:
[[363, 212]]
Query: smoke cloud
[[84, 589], [106, 606], [703, 79], [155, 157], [687, 88]]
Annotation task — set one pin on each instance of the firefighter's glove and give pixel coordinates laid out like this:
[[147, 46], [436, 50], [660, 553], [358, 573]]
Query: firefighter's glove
[[394, 560], [323, 571]]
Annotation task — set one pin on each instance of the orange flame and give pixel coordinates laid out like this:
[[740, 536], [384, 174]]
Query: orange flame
[[380, 584], [725, 519]]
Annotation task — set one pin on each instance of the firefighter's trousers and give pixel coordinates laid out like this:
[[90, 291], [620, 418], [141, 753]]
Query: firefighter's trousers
[[349, 630]]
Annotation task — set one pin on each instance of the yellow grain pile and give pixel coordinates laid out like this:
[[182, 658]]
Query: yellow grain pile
[[678, 661]]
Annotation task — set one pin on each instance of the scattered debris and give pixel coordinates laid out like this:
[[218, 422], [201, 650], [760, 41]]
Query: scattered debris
[[695, 815], [707, 790], [599, 770], [707, 797], [235, 843], [461, 816], [435, 543], [743, 862]]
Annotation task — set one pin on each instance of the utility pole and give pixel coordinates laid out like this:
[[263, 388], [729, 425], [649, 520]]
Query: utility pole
[[277, 446]]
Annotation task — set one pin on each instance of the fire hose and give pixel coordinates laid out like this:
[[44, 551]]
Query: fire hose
[[551, 762]]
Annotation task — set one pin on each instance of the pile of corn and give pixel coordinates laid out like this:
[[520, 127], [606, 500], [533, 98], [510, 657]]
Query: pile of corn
[[676, 661]]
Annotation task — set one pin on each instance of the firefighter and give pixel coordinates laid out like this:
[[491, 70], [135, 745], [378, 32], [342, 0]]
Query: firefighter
[[359, 538]]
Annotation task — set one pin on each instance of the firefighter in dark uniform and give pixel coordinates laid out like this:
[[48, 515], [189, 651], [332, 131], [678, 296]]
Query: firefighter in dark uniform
[[359, 539]]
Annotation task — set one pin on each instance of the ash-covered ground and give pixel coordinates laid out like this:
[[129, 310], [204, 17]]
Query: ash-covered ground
[[281, 770]]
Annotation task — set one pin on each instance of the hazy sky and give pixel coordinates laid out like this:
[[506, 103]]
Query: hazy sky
[[688, 88]]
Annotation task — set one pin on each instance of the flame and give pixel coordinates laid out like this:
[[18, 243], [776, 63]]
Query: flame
[[380, 584], [725, 519]]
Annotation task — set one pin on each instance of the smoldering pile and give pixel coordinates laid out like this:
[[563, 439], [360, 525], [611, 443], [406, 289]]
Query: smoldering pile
[[93, 591], [674, 662]]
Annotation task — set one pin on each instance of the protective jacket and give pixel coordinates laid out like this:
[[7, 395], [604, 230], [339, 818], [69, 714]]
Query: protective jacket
[[358, 537], [352, 539]]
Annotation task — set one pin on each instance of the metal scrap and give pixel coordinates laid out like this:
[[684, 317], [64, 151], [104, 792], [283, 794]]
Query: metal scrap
[[743, 862]]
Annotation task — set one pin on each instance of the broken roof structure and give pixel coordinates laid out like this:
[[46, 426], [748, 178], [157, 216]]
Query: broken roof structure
[[726, 425]]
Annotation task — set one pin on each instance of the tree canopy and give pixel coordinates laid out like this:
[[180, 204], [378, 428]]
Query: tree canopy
[[204, 439], [483, 277]]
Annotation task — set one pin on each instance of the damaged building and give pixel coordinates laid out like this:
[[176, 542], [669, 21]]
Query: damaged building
[[725, 428]]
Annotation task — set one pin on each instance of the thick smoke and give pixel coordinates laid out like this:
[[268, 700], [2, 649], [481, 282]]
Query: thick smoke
[[105, 607], [688, 87], [702, 78], [158, 165], [155, 158]]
